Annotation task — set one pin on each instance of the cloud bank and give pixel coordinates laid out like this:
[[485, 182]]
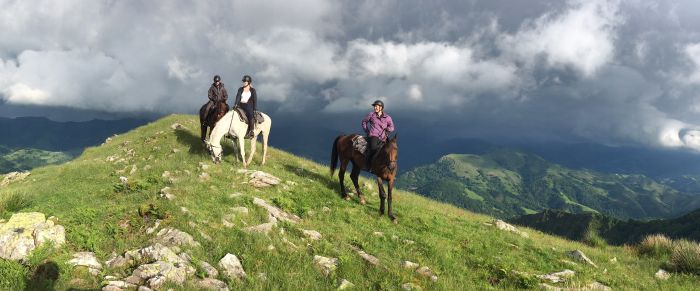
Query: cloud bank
[[615, 72]]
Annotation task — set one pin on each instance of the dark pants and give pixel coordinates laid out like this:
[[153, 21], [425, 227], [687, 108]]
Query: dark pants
[[248, 108], [374, 144]]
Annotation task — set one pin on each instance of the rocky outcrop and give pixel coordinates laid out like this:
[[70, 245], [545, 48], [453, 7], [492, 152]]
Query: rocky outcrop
[[260, 179], [172, 237], [26, 231], [276, 212], [13, 177], [557, 277], [156, 265]]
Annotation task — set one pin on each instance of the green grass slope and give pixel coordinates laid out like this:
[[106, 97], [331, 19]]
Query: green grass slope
[[507, 183], [99, 215]]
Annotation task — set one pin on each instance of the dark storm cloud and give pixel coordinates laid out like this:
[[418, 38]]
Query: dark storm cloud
[[615, 72]]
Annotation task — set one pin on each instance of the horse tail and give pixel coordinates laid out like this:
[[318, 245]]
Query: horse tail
[[334, 155]]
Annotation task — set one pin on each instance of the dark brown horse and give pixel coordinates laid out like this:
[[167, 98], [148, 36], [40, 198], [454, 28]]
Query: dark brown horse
[[218, 110], [384, 167]]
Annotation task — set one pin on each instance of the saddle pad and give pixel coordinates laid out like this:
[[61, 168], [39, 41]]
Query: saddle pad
[[258, 116], [359, 143]]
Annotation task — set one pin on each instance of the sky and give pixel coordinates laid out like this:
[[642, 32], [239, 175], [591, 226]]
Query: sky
[[623, 72]]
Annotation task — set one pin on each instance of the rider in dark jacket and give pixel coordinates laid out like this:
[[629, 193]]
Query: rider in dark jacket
[[247, 99], [217, 93]]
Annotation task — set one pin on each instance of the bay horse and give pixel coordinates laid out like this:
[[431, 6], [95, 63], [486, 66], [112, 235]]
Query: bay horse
[[384, 168], [218, 110], [231, 124]]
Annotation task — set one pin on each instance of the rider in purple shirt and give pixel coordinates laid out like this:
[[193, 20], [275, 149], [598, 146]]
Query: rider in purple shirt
[[377, 125]]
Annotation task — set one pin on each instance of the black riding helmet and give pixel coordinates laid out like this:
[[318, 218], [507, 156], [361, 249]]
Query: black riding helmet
[[217, 78], [378, 102], [247, 78]]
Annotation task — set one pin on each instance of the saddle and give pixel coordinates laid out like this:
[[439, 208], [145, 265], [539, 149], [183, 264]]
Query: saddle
[[359, 143], [244, 118]]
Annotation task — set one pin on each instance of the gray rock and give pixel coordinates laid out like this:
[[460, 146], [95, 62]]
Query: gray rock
[[135, 280], [86, 259], [326, 265], [557, 277], [14, 177], [367, 257], [411, 287], [156, 282], [177, 126], [155, 226], [409, 265], [502, 225], [144, 288], [212, 284], [580, 256], [661, 274], [232, 267], [173, 237], [111, 288], [426, 272], [312, 234], [211, 271], [116, 261], [276, 212], [26, 231], [260, 179], [344, 284]]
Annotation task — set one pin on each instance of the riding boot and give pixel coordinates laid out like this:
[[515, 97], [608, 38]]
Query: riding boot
[[249, 132]]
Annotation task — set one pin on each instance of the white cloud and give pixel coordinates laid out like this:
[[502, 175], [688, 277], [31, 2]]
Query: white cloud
[[582, 37]]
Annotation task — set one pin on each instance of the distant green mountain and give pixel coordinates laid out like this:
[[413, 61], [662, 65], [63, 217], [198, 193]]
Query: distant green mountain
[[576, 225], [26, 159], [506, 183]]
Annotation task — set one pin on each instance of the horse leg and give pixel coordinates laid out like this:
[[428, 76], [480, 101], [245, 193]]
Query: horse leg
[[390, 188], [382, 195], [341, 178], [252, 148], [265, 133], [241, 150], [354, 177], [203, 134]]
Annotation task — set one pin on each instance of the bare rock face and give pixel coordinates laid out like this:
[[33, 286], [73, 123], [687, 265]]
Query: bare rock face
[[13, 177], [26, 231], [232, 267]]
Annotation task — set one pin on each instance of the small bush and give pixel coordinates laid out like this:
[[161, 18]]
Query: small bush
[[592, 238], [655, 245], [15, 202], [686, 257]]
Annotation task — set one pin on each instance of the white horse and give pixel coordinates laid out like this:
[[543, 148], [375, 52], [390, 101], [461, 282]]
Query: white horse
[[231, 124]]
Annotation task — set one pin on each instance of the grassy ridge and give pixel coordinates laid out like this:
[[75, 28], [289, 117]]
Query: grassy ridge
[[101, 216]]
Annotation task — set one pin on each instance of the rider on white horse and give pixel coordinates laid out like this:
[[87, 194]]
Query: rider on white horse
[[247, 99]]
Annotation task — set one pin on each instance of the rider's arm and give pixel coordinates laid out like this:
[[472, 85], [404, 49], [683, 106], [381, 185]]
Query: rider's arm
[[254, 99], [225, 93], [211, 94], [389, 124], [364, 123]]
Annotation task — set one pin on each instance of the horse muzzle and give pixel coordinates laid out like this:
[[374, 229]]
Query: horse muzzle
[[392, 166]]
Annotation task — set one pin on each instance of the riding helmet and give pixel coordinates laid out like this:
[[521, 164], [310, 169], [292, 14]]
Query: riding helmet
[[217, 78], [378, 102], [247, 78]]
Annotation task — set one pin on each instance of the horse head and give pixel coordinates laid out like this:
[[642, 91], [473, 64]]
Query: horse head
[[391, 151], [215, 152]]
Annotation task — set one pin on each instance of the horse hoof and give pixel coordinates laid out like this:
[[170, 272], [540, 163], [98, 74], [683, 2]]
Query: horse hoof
[[363, 202], [394, 221], [347, 198]]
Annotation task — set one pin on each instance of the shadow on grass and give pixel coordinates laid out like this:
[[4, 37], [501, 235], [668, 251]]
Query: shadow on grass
[[329, 181], [44, 277]]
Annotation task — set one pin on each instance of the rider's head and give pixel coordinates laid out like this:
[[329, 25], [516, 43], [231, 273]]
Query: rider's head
[[378, 106], [247, 80], [217, 79]]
